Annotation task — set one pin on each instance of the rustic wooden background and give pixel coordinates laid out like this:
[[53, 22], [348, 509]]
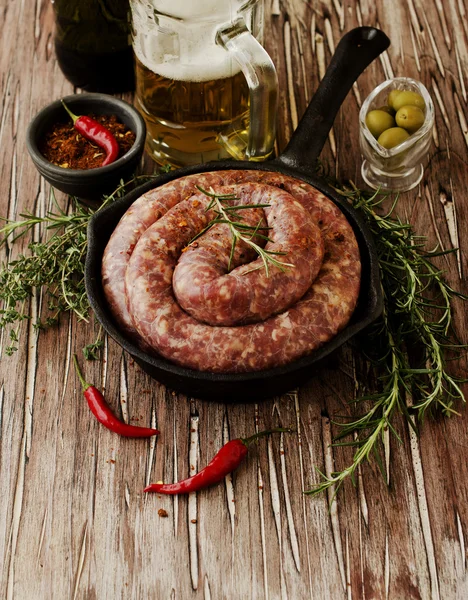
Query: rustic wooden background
[[73, 520]]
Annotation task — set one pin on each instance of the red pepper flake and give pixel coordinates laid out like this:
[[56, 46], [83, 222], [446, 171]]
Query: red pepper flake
[[182, 223], [64, 147], [163, 513]]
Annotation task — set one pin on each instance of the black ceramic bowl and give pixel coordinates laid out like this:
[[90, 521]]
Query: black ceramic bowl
[[89, 184]]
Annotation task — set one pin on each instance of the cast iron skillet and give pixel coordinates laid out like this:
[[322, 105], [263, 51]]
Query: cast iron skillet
[[357, 49]]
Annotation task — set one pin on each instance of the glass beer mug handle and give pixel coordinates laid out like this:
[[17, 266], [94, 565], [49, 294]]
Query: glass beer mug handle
[[262, 80]]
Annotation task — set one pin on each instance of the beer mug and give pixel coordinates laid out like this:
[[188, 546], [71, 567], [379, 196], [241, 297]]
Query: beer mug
[[204, 84]]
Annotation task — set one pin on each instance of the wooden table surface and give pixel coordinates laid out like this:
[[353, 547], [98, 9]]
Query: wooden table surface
[[74, 522]]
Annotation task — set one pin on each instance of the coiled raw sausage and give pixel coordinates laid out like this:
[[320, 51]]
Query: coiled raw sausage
[[284, 318], [204, 288]]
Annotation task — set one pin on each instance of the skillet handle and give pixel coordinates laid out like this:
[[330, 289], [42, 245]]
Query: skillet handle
[[356, 50]]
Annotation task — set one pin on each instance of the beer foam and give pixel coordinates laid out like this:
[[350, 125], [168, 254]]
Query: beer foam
[[220, 10], [205, 64], [181, 50]]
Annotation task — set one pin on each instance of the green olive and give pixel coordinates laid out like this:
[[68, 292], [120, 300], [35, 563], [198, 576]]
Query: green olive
[[387, 109], [391, 97], [408, 98], [410, 118], [393, 137], [378, 121]]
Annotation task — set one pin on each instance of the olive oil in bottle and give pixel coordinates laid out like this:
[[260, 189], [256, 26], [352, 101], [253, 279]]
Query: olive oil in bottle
[[92, 44]]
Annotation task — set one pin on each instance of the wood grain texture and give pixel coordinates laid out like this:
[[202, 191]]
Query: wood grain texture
[[74, 522]]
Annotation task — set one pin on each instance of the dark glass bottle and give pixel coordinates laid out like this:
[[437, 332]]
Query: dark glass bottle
[[93, 45]]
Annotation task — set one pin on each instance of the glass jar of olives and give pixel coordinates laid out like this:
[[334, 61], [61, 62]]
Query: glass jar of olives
[[395, 124]]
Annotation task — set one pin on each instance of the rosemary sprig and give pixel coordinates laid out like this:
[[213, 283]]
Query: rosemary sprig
[[416, 321], [55, 265], [225, 213]]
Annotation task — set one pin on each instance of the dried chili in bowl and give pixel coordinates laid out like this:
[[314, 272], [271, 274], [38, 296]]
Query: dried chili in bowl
[[92, 141], [69, 162], [97, 133]]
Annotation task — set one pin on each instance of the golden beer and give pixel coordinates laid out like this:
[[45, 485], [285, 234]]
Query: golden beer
[[191, 122], [204, 84]]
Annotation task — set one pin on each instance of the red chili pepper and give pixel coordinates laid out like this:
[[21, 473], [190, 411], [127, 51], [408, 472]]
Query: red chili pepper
[[226, 460], [97, 133], [104, 415]]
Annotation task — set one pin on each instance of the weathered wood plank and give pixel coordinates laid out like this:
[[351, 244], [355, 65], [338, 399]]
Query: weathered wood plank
[[74, 522]]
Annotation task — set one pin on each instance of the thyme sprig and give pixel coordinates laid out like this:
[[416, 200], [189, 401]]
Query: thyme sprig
[[410, 342], [241, 231], [93, 351], [55, 264]]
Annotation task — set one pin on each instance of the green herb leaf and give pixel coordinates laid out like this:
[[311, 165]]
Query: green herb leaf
[[238, 230], [93, 351]]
